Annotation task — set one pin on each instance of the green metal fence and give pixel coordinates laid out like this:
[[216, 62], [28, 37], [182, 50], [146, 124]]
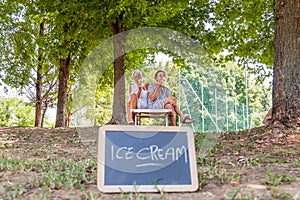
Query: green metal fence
[[213, 110]]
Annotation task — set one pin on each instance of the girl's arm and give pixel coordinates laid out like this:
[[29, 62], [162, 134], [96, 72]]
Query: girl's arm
[[153, 95]]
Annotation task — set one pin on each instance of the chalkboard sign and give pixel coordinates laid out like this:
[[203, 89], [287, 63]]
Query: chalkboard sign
[[146, 159]]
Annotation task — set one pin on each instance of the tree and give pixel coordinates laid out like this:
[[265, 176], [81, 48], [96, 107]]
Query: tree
[[245, 30], [23, 65], [286, 80], [124, 15], [73, 27], [15, 112]]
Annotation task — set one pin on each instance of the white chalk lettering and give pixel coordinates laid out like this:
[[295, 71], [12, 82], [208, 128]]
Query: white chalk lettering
[[118, 152], [112, 152], [128, 153], [153, 150], [151, 153], [140, 152], [180, 151], [170, 152], [160, 154]]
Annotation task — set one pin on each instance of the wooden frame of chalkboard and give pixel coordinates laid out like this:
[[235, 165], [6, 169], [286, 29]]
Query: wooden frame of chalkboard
[[146, 159]]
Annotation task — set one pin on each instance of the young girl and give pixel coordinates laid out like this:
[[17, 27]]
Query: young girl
[[138, 95], [160, 98]]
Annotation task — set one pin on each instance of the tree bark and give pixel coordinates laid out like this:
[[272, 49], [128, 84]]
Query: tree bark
[[286, 70], [44, 113], [38, 96], [38, 86], [63, 79], [119, 108]]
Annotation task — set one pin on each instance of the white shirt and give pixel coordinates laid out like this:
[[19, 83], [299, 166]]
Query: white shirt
[[142, 102]]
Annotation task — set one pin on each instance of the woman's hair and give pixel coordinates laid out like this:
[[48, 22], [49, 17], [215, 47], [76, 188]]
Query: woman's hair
[[134, 72], [156, 73]]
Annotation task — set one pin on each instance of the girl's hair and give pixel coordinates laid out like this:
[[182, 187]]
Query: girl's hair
[[134, 72], [156, 73]]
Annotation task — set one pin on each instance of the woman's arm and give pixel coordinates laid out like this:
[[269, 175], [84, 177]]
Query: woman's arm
[[153, 95], [130, 90]]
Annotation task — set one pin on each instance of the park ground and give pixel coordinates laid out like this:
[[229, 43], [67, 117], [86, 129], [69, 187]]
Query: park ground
[[60, 163]]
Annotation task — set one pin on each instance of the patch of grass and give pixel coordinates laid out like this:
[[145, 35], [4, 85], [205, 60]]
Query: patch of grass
[[13, 191], [295, 163], [239, 194], [207, 143], [199, 138], [89, 195], [201, 159], [280, 151], [254, 162], [238, 146], [56, 174], [249, 162], [279, 194], [203, 180], [213, 151], [276, 179], [14, 165], [226, 177], [42, 193], [141, 196], [67, 174], [210, 172], [269, 158]]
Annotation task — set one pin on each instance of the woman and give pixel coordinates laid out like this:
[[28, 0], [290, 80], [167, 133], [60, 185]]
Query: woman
[[138, 95], [160, 98]]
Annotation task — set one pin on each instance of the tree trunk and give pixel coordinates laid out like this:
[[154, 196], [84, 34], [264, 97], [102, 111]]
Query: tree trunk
[[38, 86], [38, 96], [44, 113], [68, 119], [119, 109], [286, 71], [63, 79]]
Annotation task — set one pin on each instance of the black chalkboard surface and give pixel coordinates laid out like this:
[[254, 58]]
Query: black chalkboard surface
[[146, 158]]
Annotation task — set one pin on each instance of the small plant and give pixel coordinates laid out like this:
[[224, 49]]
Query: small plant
[[239, 194], [277, 179], [13, 191], [199, 138], [201, 177], [213, 151], [135, 194], [201, 159], [89, 195], [295, 163], [279, 194], [254, 162], [238, 146], [56, 174]]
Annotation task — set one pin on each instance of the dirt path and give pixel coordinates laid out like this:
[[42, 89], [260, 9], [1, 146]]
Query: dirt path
[[61, 164]]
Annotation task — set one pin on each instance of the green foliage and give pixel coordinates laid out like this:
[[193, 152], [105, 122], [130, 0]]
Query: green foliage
[[240, 194], [13, 191], [242, 29], [245, 29], [276, 179], [57, 174], [17, 45], [104, 97], [229, 80], [134, 14], [15, 112]]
